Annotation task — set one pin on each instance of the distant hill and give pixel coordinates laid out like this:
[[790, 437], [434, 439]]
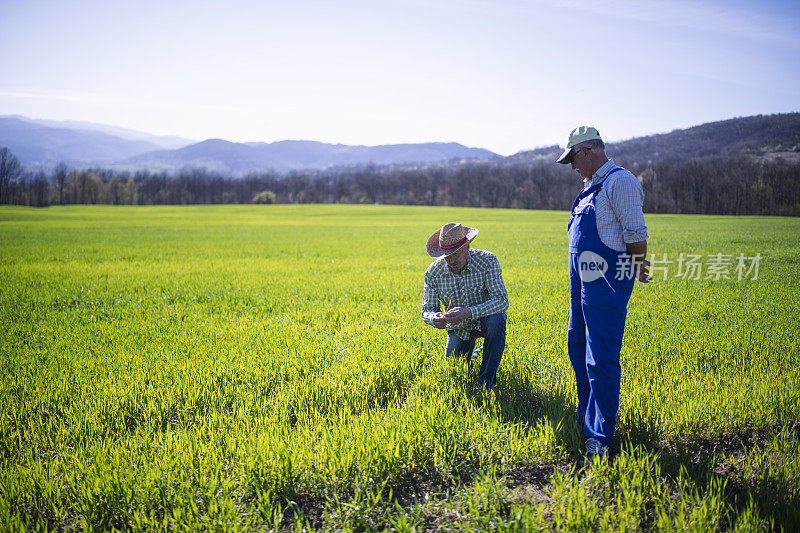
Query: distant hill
[[81, 144], [46, 143], [756, 136], [167, 142], [240, 158], [35, 144]]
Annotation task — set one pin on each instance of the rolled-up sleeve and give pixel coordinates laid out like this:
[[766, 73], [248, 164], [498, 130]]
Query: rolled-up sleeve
[[626, 198], [497, 301]]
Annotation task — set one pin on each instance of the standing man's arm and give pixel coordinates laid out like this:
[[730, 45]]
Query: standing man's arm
[[626, 198], [431, 314]]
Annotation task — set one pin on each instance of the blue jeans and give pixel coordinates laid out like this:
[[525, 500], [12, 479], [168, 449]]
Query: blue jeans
[[493, 330]]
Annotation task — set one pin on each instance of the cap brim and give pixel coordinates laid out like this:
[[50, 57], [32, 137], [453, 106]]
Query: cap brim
[[564, 159]]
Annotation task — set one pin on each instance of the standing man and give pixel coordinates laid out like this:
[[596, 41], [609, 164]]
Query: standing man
[[607, 250], [464, 294]]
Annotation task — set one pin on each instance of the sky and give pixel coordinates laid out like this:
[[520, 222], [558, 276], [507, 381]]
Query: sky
[[506, 75]]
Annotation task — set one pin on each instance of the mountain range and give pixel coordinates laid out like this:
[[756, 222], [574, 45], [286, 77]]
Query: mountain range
[[49, 142], [757, 136], [45, 143], [240, 158]]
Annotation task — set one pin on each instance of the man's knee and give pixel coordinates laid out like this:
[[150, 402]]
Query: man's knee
[[494, 324], [456, 346]]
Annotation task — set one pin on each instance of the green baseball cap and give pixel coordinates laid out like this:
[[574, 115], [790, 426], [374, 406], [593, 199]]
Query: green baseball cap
[[577, 136]]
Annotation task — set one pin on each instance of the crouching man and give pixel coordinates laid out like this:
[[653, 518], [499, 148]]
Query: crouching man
[[464, 294]]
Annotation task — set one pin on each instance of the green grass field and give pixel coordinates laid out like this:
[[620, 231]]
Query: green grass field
[[249, 368]]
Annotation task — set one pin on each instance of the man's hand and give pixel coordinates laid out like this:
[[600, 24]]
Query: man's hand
[[643, 272], [439, 321], [638, 253], [457, 315]]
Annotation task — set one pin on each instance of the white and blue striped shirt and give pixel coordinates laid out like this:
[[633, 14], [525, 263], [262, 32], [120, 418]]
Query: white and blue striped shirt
[[618, 207]]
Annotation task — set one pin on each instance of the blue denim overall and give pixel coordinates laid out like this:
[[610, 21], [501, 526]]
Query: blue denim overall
[[598, 307]]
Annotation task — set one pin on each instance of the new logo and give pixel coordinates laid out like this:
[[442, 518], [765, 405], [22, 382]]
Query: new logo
[[591, 266]]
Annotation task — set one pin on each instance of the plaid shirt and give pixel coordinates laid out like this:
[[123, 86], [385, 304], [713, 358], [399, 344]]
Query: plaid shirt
[[479, 286], [618, 207]]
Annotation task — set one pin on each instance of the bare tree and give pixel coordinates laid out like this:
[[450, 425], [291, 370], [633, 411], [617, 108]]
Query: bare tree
[[10, 170], [39, 195], [113, 191], [130, 195], [60, 174]]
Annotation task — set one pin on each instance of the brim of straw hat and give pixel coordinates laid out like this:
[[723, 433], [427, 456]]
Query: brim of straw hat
[[434, 250]]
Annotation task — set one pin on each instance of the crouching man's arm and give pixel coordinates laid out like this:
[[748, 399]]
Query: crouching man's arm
[[497, 302], [430, 305]]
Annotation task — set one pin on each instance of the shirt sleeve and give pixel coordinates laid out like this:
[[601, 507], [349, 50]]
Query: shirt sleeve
[[626, 197], [498, 297], [430, 299]]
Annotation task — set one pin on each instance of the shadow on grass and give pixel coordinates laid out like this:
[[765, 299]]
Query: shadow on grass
[[522, 402], [730, 456], [704, 460]]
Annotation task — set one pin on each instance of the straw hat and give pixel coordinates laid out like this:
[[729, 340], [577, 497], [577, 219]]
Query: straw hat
[[449, 239]]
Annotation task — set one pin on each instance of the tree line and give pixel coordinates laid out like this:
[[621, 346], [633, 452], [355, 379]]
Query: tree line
[[709, 185]]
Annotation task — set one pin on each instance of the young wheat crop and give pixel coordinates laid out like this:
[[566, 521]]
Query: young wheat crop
[[257, 367]]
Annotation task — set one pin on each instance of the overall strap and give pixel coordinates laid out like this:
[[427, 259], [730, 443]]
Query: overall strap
[[600, 183], [581, 195], [594, 188]]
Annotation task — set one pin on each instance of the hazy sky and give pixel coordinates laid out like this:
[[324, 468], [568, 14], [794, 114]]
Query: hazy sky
[[504, 75]]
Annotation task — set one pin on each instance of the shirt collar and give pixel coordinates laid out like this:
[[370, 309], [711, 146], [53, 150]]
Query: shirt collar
[[466, 267], [601, 173]]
